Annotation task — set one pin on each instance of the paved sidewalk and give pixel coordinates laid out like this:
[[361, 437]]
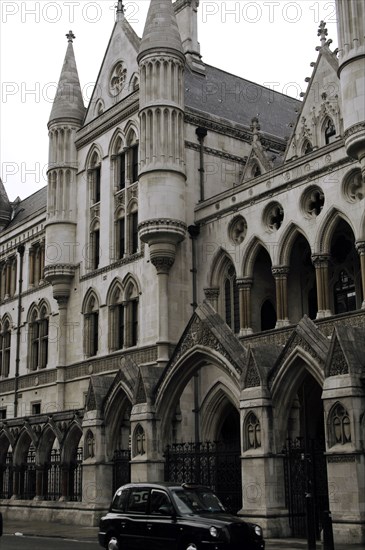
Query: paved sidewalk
[[90, 534]]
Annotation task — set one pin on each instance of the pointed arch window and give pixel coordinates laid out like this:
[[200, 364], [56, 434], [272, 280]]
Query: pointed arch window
[[307, 147], [340, 426], [91, 329], [231, 300], [131, 315], [36, 263], [95, 245], [139, 441], [133, 228], [8, 274], [330, 132], [132, 157], [117, 319], [256, 170], [38, 338], [253, 432], [344, 293], [95, 178], [120, 247], [5, 344]]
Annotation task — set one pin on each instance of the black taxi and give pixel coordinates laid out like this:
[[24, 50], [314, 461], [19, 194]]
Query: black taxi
[[168, 516]]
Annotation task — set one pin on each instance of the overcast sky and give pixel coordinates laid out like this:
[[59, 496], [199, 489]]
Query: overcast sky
[[270, 42]]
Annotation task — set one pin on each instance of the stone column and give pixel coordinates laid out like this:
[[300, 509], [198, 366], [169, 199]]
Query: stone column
[[39, 483], [212, 295], [97, 467], [64, 481], [280, 274], [163, 265], [321, 262], [263, 493], [244, 288], [360, 247], [42, 260]]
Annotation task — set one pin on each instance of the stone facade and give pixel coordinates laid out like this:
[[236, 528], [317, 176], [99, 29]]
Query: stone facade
[[193, 272]]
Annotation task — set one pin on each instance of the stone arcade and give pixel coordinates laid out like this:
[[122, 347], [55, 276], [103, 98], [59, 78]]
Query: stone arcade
[[160, 321]]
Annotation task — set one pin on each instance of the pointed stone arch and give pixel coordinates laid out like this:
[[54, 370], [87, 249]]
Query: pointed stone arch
[[94, 151], [220, 262], [49, 435], [213, 407], [250, 255], [91, 294], [131, 280], [117, 142], [115, 286], [327, 229], [131, 129], [25, 439], [71, 441], [287, 241]]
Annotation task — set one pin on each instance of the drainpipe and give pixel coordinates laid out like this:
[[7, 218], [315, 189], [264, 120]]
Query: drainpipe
[[21, 250], [194, 231], [201, 133]]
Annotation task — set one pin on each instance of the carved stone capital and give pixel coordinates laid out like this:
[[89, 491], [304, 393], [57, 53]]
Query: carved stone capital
[[244, 282], [320, 260], [211, 293], [280, 271], [162, 263]]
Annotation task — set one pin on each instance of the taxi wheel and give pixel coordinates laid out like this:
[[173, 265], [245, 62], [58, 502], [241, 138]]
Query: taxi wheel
[[113, 544], [192, 546]]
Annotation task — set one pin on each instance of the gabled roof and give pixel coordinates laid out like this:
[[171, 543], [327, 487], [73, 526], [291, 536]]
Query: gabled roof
[[28, 208], [239, 100]]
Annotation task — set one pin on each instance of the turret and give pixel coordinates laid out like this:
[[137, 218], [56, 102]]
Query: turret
[[351, 31], [66, 118], [162, 165]]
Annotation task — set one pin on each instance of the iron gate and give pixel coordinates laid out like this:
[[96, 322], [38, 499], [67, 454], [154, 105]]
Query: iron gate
[[216, 465], [305, 473], [121, 468]]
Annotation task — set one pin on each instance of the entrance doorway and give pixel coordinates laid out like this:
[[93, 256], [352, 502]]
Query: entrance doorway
[[305, 468]]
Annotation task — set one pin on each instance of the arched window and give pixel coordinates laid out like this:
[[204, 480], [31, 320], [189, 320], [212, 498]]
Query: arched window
[[132, 157], [38, 338], [95, 245], [5, 344], [231, 301], [344, 293], [252, 432], [256, 170], [307, 147], [91, 327], [120, 248], [119, 158], [116, 319], [133, 228], [131, 314], [329, 132], [95, 178], [139, 441], [340, 426]]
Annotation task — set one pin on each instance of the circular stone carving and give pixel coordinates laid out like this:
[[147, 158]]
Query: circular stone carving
[[273, 216], [237, 229], [353, 187], [312, 201], [118, 78]]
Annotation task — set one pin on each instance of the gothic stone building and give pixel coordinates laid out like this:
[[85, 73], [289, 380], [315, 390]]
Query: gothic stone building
[[184, 300]]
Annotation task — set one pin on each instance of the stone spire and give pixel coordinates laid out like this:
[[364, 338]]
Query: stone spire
[[68, 103], [161, 30], [5, 207]]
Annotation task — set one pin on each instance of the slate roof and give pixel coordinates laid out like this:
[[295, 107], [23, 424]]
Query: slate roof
[[239, 100], [28, 208]]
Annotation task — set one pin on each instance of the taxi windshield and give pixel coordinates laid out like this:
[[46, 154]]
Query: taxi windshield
[[197, 500]]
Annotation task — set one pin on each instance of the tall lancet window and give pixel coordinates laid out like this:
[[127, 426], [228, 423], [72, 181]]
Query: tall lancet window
[[231, 300]]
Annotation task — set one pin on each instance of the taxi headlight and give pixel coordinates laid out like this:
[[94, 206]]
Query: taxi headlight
[[258, 530], [213, 532]]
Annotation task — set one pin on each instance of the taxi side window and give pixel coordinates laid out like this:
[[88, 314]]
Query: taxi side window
[[160, 503], [137, 501], [120, 501]]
